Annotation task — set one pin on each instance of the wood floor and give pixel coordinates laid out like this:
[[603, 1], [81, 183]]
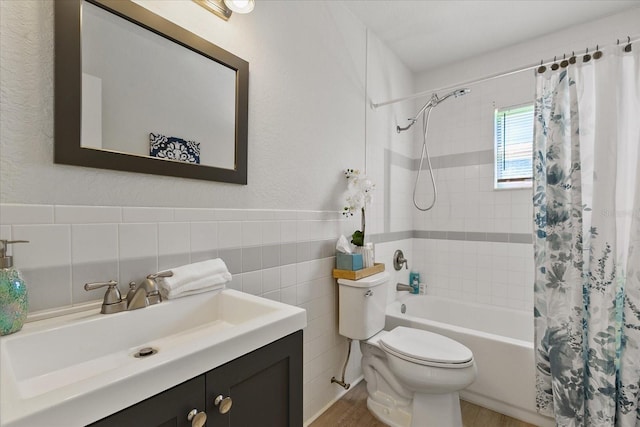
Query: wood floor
[[351, 411]]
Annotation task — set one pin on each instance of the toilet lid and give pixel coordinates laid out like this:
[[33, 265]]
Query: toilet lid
[[426, 348]]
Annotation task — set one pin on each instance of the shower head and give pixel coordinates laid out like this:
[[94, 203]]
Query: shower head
[[435, 100], [456, 93]]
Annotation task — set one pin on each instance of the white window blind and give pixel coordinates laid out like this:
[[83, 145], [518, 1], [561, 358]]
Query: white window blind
[[514, 145]]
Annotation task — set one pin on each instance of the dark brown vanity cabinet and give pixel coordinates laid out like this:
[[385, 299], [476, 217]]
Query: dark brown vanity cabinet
[[262, 388], [167, 409]]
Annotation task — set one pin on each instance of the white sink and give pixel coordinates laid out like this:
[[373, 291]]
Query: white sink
[[79, 368]]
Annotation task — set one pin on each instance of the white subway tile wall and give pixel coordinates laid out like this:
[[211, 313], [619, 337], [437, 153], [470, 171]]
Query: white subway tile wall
[[282, 255], [460, 139], [45, 262], [493, 273], [94, 257], [286, 256], [26, 214]]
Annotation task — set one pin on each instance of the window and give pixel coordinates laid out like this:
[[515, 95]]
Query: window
[[513, 147]]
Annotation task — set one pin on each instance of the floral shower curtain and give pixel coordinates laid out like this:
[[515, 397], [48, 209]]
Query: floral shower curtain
[[587, 241]]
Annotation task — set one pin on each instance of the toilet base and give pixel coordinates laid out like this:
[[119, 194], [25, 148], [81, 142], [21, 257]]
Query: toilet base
[[436, 410], [389, 413], [426, 410]]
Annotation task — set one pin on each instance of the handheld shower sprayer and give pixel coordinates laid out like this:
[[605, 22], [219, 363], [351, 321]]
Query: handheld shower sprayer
[[428, 107], [435, 100]]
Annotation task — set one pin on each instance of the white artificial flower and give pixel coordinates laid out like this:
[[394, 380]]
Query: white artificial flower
[[359, 192]]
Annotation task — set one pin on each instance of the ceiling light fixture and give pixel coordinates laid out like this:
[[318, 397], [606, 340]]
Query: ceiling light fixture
[[224, 8], [240, 6]]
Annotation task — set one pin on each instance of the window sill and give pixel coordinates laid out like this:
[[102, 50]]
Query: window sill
[[513, 186]]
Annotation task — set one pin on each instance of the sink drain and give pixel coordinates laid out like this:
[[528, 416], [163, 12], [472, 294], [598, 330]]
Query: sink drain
[[145, 352]]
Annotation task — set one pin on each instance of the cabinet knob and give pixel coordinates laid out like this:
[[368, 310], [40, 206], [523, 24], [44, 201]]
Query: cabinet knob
[[223, 403], [198, 419]]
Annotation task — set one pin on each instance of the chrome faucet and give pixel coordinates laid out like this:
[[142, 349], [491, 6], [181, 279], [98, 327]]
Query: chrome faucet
[[403, 287], [137, 296], [143, 295], [146, 293]]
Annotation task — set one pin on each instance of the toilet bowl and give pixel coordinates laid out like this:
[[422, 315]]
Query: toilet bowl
[[428, 362], [413, 376]]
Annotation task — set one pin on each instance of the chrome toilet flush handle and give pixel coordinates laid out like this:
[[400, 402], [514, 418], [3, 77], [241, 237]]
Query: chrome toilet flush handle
[[369, 293]]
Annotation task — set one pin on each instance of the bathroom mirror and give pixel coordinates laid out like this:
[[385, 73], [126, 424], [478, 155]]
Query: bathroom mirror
[[135, 92]]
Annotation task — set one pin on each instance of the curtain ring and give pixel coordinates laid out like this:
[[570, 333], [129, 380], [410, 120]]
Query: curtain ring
[[554, 66], [627, 48], [572, 60], [597, 54], [586, 57], [564, 62], [541, 68]]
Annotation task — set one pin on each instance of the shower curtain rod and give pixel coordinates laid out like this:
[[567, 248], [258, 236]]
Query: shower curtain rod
[[627, 40]]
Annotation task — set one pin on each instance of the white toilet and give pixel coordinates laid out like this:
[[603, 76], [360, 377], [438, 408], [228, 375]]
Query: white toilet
[[413, 376]]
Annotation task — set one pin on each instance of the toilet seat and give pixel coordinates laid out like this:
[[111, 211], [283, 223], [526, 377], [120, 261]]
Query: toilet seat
[[425, 348]]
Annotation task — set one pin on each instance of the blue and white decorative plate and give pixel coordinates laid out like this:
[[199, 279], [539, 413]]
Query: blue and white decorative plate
[[172, 148]]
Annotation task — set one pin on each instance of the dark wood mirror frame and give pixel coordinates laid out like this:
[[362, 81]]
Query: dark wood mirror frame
[[68, 95]]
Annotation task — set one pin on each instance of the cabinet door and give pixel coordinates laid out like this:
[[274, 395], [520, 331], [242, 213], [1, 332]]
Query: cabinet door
[[265, 387], [167, 409]]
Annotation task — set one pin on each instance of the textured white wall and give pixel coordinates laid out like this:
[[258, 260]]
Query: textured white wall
[[306, 110], [387, 78]]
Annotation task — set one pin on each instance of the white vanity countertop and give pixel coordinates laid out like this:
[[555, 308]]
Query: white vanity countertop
[[79, 368]]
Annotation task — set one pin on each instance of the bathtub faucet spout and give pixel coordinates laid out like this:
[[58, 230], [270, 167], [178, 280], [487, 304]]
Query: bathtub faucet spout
[[403, 287]]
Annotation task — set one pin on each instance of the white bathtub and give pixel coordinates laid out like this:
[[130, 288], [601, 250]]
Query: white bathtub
[[501, 340]]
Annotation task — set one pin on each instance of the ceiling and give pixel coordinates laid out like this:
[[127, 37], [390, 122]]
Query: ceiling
[[427, 34]]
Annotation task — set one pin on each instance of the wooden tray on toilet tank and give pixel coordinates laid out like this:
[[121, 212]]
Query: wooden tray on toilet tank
[[358, 274]]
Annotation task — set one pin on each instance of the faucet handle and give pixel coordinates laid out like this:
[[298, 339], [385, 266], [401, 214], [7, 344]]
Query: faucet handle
[[112, 295], [154, 276], [97, 285], [399, 259], [112, 302]]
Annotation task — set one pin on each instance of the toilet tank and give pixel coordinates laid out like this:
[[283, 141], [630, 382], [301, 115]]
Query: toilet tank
[[362, 305]]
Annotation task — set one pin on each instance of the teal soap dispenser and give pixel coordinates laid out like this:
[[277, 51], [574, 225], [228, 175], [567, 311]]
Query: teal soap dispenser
[[14, 303]]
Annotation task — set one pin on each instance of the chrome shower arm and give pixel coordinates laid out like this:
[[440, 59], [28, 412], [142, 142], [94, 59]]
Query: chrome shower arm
[[401, 129], [433, 101]]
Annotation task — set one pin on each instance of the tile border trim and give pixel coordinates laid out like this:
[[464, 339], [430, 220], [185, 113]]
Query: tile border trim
[[469, 236], [471, 158]]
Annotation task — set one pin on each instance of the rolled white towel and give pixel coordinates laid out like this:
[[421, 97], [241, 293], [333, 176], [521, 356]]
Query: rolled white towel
[[172, 295], [193, 278]]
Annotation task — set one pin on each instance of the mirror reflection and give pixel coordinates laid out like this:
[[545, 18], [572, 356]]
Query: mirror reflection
[[146, 95]]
